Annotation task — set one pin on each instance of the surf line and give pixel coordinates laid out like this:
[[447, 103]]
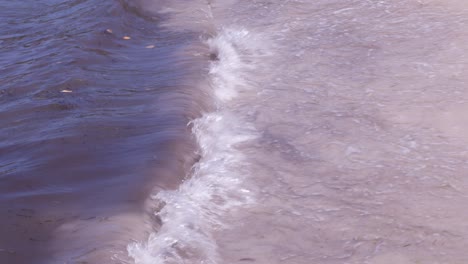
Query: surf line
[[191, 214]]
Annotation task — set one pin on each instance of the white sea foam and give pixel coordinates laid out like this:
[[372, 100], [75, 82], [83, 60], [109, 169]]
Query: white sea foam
[[226, 75], [193, 212]]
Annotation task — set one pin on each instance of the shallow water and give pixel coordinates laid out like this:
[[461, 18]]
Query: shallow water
[[252, 132]]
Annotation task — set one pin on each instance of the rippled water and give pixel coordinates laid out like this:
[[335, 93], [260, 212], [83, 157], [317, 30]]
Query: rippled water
[[152, 131], [91, 123]]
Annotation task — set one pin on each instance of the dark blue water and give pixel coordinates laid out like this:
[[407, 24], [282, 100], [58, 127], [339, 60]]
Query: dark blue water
[[90, 122]]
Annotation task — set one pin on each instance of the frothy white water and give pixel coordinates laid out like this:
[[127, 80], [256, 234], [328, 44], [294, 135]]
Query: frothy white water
[[235, 50], [191, 214]]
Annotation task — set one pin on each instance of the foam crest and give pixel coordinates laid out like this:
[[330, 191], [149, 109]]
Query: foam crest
[[191, 214], [236, 52]]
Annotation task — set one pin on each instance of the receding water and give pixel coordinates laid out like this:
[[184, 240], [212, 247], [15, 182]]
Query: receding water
[[209, 132]]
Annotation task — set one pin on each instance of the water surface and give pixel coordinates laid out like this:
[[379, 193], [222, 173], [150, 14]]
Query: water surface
[[233, 132]]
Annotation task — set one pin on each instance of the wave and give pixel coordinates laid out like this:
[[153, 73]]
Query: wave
[[191, 214]]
